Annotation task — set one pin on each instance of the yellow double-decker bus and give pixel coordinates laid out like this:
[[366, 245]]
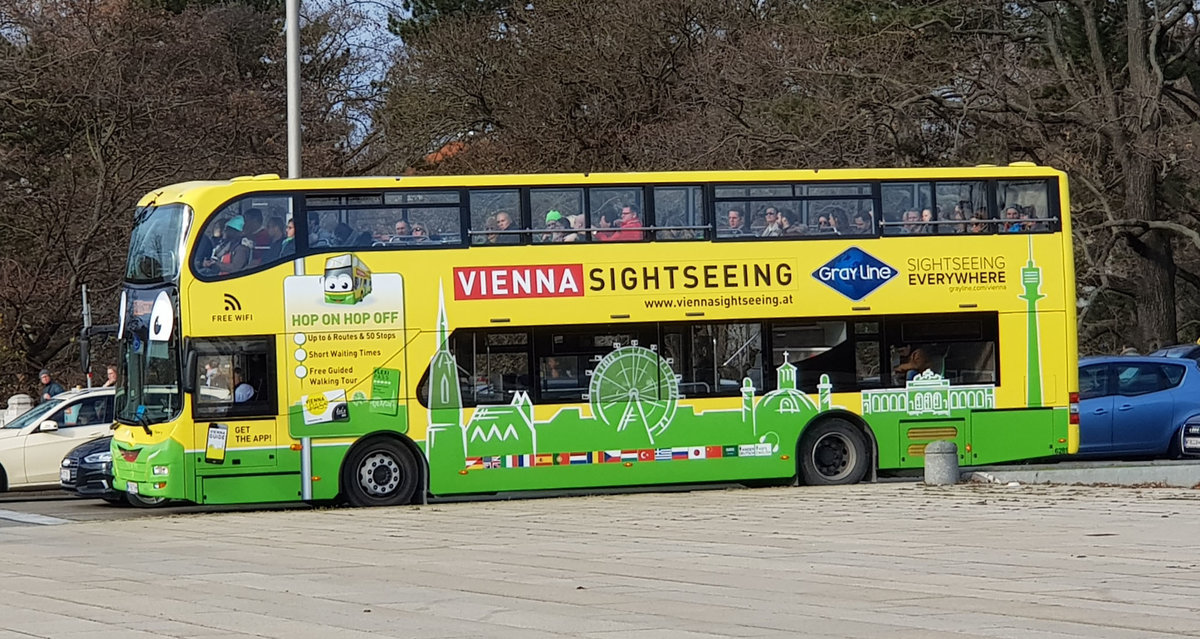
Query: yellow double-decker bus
[[532, 332]]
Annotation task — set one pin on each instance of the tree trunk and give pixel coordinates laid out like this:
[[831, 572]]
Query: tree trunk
[[1156, 269], [1142, 115]]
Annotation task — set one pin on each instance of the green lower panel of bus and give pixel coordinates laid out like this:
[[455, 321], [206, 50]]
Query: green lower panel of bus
[[248, 489], [983, 437]]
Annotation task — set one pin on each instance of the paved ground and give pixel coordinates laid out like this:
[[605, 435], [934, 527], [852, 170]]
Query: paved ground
[[894, 560]]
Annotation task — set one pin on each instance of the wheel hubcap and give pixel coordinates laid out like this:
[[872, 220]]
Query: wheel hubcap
[[833, 457], [379, 474]]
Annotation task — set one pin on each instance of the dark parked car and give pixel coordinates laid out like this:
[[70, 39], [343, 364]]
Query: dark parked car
[[87, 472], [1137, 406]]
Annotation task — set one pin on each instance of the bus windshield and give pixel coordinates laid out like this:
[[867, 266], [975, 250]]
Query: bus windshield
[[148, 390], [154, 247]]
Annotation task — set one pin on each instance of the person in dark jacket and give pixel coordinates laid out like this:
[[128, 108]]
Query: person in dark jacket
[[50, 388]]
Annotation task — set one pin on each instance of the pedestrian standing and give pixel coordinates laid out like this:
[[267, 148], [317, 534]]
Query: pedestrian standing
[[50, 388]]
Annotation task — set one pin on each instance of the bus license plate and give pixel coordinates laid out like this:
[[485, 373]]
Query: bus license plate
[[131, 487], [64, 474]]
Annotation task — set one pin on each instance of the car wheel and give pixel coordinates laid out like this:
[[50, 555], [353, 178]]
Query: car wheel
[[832, 452], [380, 472], [1175, 449], [142, 501]]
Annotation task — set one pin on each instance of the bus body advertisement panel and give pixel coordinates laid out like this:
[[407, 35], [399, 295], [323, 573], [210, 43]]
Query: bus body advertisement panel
[[337, 349]]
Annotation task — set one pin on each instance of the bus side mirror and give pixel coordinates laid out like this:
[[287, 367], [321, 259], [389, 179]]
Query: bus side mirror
[[189, 372]]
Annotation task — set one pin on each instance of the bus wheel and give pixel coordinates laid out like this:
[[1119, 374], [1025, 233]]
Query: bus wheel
[[832, 452], [142, 501], [380, 472]]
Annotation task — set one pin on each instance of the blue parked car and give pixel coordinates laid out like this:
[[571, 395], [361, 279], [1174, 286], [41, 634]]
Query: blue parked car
[[1137, 406]]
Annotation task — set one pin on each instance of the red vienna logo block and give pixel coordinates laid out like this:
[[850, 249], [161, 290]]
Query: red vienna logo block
[[505, 282]]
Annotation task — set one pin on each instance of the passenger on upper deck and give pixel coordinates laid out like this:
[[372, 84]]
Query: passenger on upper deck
[[504, 223], [630, 225], [860, 224], [736, 224], [927, 221], [787, 220], [288, 246], [978, 223], [275, 233], [1028, 220], [1012, 216], [420, 233], [554, 225], [576, 224], [957, 215], [343, 235], [317, 236], [255, 230], [912, 222], [773, 228], [403, 232], [233, 253]]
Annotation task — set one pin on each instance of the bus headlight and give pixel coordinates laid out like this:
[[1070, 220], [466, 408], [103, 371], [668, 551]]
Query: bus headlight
[[161, 470]]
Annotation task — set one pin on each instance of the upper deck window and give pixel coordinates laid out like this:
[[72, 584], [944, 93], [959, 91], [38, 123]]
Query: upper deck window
[[1026, 206], [679, 213], [245, 234], [496, 216], [555, 210], [392, 218], [793, 210]]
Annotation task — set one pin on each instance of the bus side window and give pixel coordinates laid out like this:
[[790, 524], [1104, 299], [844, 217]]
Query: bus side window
[[235, 377], [676, 207], [959, 348]]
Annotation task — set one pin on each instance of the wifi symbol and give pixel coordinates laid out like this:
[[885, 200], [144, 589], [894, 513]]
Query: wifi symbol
[[232, 303]]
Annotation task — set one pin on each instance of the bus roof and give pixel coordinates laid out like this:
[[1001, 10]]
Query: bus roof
[[273, 182]]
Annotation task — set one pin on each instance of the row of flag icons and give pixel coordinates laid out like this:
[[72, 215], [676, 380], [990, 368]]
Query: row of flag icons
[[619, 456]]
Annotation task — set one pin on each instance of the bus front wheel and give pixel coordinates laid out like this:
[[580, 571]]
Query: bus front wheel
[[380, 472], [833, 452]]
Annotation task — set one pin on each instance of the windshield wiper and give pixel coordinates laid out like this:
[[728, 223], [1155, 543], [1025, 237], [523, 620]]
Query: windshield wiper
[[142, 420]]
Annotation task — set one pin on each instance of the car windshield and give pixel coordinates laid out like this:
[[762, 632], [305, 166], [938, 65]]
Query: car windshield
[[35, 414]]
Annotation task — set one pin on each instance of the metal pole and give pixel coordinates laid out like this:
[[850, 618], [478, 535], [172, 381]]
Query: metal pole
[[87, 324], [293, 87], [293, 124]]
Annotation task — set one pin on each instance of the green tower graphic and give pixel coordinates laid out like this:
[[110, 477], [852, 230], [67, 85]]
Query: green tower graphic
[[446, 437], [1031, 279]]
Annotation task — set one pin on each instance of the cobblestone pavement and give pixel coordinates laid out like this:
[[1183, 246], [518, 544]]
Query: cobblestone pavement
[[882, 560]]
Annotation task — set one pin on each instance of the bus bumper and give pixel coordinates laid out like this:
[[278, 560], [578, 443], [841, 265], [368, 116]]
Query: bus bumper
[[152, 470]]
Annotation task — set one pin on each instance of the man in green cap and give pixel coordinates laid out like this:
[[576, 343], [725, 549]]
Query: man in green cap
[[554, 227]]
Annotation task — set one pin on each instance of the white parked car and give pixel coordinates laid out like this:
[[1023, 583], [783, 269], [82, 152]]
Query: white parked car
[[33, 445]]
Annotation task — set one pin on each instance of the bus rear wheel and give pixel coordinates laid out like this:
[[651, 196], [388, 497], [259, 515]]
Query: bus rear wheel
[[380, 472], [832, 452]]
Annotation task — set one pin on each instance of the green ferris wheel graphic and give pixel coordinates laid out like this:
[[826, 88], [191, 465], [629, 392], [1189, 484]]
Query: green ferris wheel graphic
[[633, 387]]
